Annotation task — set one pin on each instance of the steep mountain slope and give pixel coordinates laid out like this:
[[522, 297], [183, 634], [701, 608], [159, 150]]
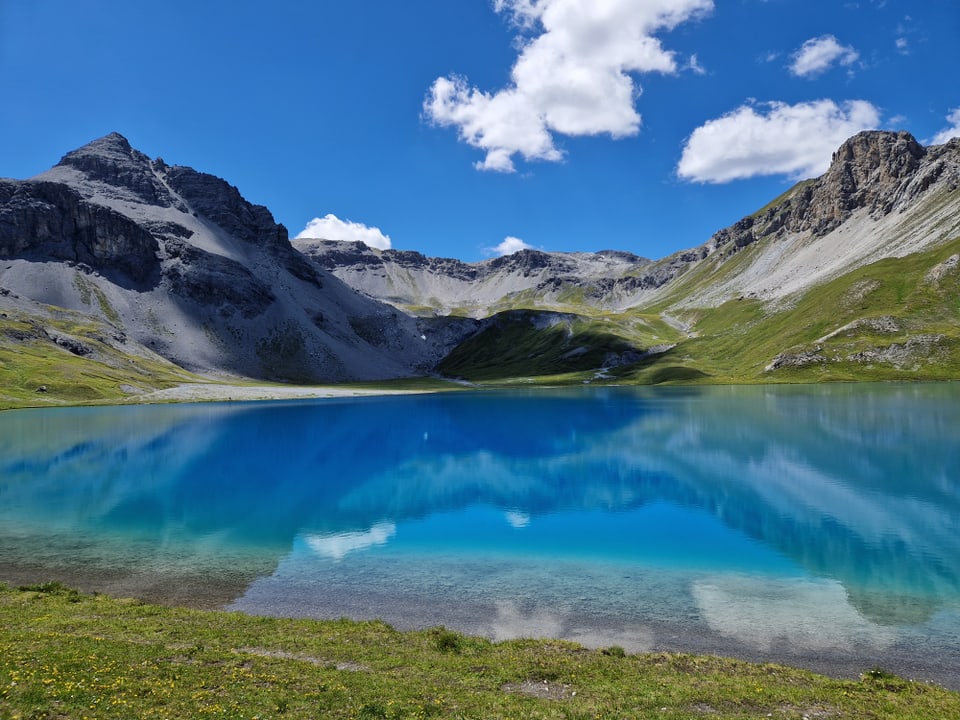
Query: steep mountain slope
[[52, 355], [884, 196], [179, 262], [852, 276]]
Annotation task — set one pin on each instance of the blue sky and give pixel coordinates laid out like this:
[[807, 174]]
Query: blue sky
[[455, 127]]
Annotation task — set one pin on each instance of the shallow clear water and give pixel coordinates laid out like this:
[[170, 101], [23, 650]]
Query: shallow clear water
[[813, 525]]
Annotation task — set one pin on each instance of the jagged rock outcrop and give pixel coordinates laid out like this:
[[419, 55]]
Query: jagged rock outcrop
[[874, 170], [45, 220], [221, 203]]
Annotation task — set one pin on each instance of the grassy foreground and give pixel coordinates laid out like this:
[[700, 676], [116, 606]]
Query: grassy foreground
[[68, 655]]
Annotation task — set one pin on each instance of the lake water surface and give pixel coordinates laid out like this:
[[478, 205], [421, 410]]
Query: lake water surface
[[813, 525]]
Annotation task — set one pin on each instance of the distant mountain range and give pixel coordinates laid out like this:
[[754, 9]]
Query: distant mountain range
[[119, 274], [889, 194]]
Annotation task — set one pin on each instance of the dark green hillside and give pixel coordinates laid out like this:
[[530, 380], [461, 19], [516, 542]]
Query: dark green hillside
[[535, 344]]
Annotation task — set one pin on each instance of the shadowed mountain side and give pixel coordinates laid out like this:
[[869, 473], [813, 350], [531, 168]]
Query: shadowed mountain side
[[51, 221]]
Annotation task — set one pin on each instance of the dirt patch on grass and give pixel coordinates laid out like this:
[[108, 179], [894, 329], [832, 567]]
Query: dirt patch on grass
[[346, 666], [541, 689]]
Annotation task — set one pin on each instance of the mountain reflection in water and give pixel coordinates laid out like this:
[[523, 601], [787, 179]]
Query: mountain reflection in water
[[810, 524]]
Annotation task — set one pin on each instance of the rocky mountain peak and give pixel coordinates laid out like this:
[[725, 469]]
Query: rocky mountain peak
[[104, 156], [878, 171], [526, 261], [113, 144], [111, 160], [111, 170], [874, 158], [871, 170]]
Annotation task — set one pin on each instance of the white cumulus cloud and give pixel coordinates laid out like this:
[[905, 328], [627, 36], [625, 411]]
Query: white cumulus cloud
[[817, 55], [950, 132], [330, 227], [573, 76], [773, 139], [510, 245]]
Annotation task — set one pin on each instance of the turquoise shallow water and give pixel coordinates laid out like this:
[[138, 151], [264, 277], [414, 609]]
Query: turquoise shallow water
[[813, 525]]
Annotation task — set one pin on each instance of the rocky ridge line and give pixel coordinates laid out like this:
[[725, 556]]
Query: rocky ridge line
[[876, 172]]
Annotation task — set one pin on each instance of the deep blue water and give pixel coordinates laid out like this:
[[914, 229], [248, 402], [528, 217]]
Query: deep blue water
[[815, 525]]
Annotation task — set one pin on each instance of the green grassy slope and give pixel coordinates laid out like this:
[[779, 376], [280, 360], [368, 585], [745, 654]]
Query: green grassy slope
[[897, 319], [84, 366], [67, 655]]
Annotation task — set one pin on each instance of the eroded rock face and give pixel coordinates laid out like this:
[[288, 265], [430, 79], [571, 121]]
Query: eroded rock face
[[877, 170], [222, 203], [866, 171], [529, 262], [44, 220]]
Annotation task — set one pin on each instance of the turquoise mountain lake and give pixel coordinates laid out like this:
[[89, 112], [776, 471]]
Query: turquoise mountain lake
[[813, 525]]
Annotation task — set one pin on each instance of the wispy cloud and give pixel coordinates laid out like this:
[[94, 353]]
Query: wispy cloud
[[819, 54], [694, 64], [330, 227], [573, 76], [904, 30], [773, 139], [948, 132]]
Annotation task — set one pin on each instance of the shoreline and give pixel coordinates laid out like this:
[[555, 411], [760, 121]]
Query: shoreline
[[70, 652], [212, 391], [210, 594], [216, 392]]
